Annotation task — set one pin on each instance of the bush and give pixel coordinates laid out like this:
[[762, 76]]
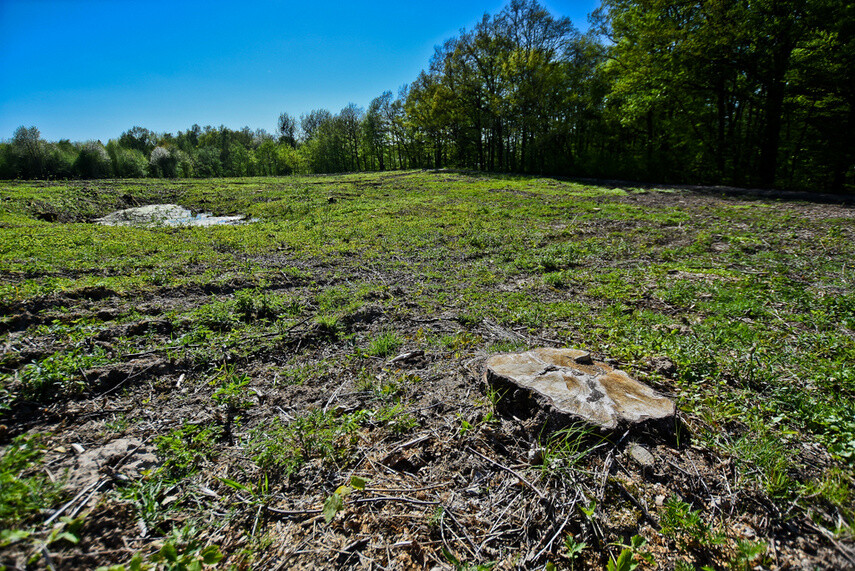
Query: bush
[[93, 161], [127, 163], [163, 163], [59, 159]]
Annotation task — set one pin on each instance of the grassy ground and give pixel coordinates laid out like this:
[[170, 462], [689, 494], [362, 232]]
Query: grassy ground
[[227, 395]]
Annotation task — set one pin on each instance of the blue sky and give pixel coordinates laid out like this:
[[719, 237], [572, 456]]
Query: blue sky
[[91, 69]]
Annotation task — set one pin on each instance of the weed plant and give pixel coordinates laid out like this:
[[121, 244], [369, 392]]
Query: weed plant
[[25, 490], [280, 449], [185, 449]]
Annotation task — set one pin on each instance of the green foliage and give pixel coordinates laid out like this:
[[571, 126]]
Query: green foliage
[[24, 490], [395, 418], [748, 555], [127, 163], [192, 557], [93, 161], [574, 549], [147, 495], [280, 448], [181, 551], [566, 448], [59, 375], [329, 326], [680, 522], [637, 554], [186, 447], [462, 566], [624, 562], [218, 315], [335, 502], [231, 391], [840, 433], [385, 344]]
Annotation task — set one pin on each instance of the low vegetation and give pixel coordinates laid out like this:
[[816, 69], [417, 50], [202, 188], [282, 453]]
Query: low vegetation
[[306, 389]]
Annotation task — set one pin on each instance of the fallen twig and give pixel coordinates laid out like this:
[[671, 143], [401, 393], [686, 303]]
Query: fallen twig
[[395, 499], [514, 472], [653, 523], [552, 539], [72, 501]]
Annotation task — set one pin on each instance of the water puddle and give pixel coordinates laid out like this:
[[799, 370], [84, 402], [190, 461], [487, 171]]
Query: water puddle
[[166, 215]]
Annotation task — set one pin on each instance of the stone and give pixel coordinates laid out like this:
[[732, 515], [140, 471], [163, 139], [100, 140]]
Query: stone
[[663, 365], [535, 455], [569, 386], [641, 455]]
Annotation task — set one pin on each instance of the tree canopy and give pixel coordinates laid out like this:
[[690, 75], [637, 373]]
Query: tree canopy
[[743, 92]]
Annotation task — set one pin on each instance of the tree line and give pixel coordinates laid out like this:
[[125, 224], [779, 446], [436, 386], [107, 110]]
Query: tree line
[[742, 92]]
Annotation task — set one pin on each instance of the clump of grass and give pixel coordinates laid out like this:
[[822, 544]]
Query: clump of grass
[[298, 373], [329, 326], [507, 346], [218, 315], [259, 304], [395, 418], [460, 341], [385, 344], [470, 319], [555, 279], [565, 448]]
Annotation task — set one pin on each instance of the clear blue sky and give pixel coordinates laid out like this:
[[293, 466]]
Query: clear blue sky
[[91, 69]]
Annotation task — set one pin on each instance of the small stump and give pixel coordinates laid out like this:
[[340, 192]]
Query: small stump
[[568, 386]]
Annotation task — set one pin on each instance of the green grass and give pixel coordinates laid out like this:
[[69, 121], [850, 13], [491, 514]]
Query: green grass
[[280, 449], [184, 450], [385, 344], [793, 304], [752, 300]]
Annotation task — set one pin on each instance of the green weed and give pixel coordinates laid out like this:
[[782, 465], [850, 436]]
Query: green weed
[[280, 449], [231, 391], [24, 489], [60, 374], [185, 448], [574, 549], [685, 525], [329, 326], [463, 566], [395, 418]]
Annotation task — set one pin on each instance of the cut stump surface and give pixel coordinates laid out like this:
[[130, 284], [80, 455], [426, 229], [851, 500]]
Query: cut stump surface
[[568, 384]]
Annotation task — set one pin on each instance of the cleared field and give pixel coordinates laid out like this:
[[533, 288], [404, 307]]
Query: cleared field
[[219, 393]]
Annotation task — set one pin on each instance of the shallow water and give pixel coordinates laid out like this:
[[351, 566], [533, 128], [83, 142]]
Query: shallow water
[[165, 215]]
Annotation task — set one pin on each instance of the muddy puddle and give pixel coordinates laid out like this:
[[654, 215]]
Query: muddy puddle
[[167, 215]]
